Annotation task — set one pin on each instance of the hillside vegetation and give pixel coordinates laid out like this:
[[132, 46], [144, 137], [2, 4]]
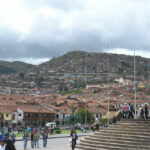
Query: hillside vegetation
[[13, 67], [75, 62]]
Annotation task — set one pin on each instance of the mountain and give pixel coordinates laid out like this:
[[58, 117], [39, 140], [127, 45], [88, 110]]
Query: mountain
[[13, 67], [76, 62]]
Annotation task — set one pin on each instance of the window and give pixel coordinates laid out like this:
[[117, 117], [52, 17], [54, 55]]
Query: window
[[19, 115], [44, 115], [7, 115]]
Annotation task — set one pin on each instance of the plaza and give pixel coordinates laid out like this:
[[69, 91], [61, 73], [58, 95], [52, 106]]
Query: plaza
[[52, 144]]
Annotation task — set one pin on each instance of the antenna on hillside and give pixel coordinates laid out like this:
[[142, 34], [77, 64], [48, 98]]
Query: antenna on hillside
[[135, 84]]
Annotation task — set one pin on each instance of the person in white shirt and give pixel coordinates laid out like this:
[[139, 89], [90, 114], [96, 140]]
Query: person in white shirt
[[2, 144]]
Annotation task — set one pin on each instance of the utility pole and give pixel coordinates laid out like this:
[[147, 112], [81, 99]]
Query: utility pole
[[85, 87], [135, 84], [41, 116], [85, 112], [108, 86]]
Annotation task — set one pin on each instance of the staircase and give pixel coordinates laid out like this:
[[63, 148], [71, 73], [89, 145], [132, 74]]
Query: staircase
[[125, 135]]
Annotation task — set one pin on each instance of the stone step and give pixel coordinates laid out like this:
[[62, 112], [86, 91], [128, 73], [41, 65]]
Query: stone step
[[122, 135], [119, 140], [124, 132], [133, 123], [126, 129], [88, 148], [126, 126], [109, 147], [113, 144], [135, 120]]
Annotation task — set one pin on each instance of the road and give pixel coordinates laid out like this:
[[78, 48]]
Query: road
[[53, 144]]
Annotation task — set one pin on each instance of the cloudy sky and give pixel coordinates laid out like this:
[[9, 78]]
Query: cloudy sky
[[37, 30]]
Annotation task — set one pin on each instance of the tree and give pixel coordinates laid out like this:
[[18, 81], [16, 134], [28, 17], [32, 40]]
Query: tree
[[39, 82], [80, 115], [21, 75]]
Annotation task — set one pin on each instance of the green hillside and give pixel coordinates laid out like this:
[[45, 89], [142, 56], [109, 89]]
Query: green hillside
[[13, 67]]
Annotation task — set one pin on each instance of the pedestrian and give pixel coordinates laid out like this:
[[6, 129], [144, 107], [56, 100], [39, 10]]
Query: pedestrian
[[13, 138], [45, 137], [92, 128], [125, 110], [74, 138], [146, 111], [142, 113], [32, 140], [28, 130], [131, 111], [114, 120], [2, 142], [25, 137], [97, 123], [9, 145], [7, 135], [36, 139]]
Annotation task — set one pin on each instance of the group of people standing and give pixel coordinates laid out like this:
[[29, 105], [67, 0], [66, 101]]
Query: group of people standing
[[35, 137], [128, 111]]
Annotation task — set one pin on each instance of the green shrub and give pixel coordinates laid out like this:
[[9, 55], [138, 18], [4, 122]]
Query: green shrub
[[58, 131]]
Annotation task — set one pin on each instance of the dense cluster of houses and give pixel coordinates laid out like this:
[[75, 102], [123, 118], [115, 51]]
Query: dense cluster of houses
[[37, 109]]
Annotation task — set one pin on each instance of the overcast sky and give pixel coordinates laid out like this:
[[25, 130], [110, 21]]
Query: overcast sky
[[37, 30]]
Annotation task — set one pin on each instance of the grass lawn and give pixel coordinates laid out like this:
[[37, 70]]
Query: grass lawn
[[62, 132]]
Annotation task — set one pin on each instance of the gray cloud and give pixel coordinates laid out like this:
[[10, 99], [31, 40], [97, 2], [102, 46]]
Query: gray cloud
[[47, 28]]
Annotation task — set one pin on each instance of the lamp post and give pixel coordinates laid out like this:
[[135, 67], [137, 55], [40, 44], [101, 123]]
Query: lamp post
[[108, 87], [85, 87], [41, 116], [85, 112], [135, 85]]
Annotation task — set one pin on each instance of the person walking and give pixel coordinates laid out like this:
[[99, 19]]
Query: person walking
[[142, 113], [6, 135], [74, 138], [13, 138], [125, 110], [9, 145], [45, 137], [32, 140], [146, 111], [131, 111], [2, 142], [36, 139], [97, 123], [25, 137]]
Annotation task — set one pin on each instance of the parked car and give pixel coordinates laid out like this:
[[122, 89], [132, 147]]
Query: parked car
[[51, 125]]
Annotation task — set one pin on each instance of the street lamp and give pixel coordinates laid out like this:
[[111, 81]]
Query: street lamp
[[135, 83], [85, 112], [108, 88], [98, 107]]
